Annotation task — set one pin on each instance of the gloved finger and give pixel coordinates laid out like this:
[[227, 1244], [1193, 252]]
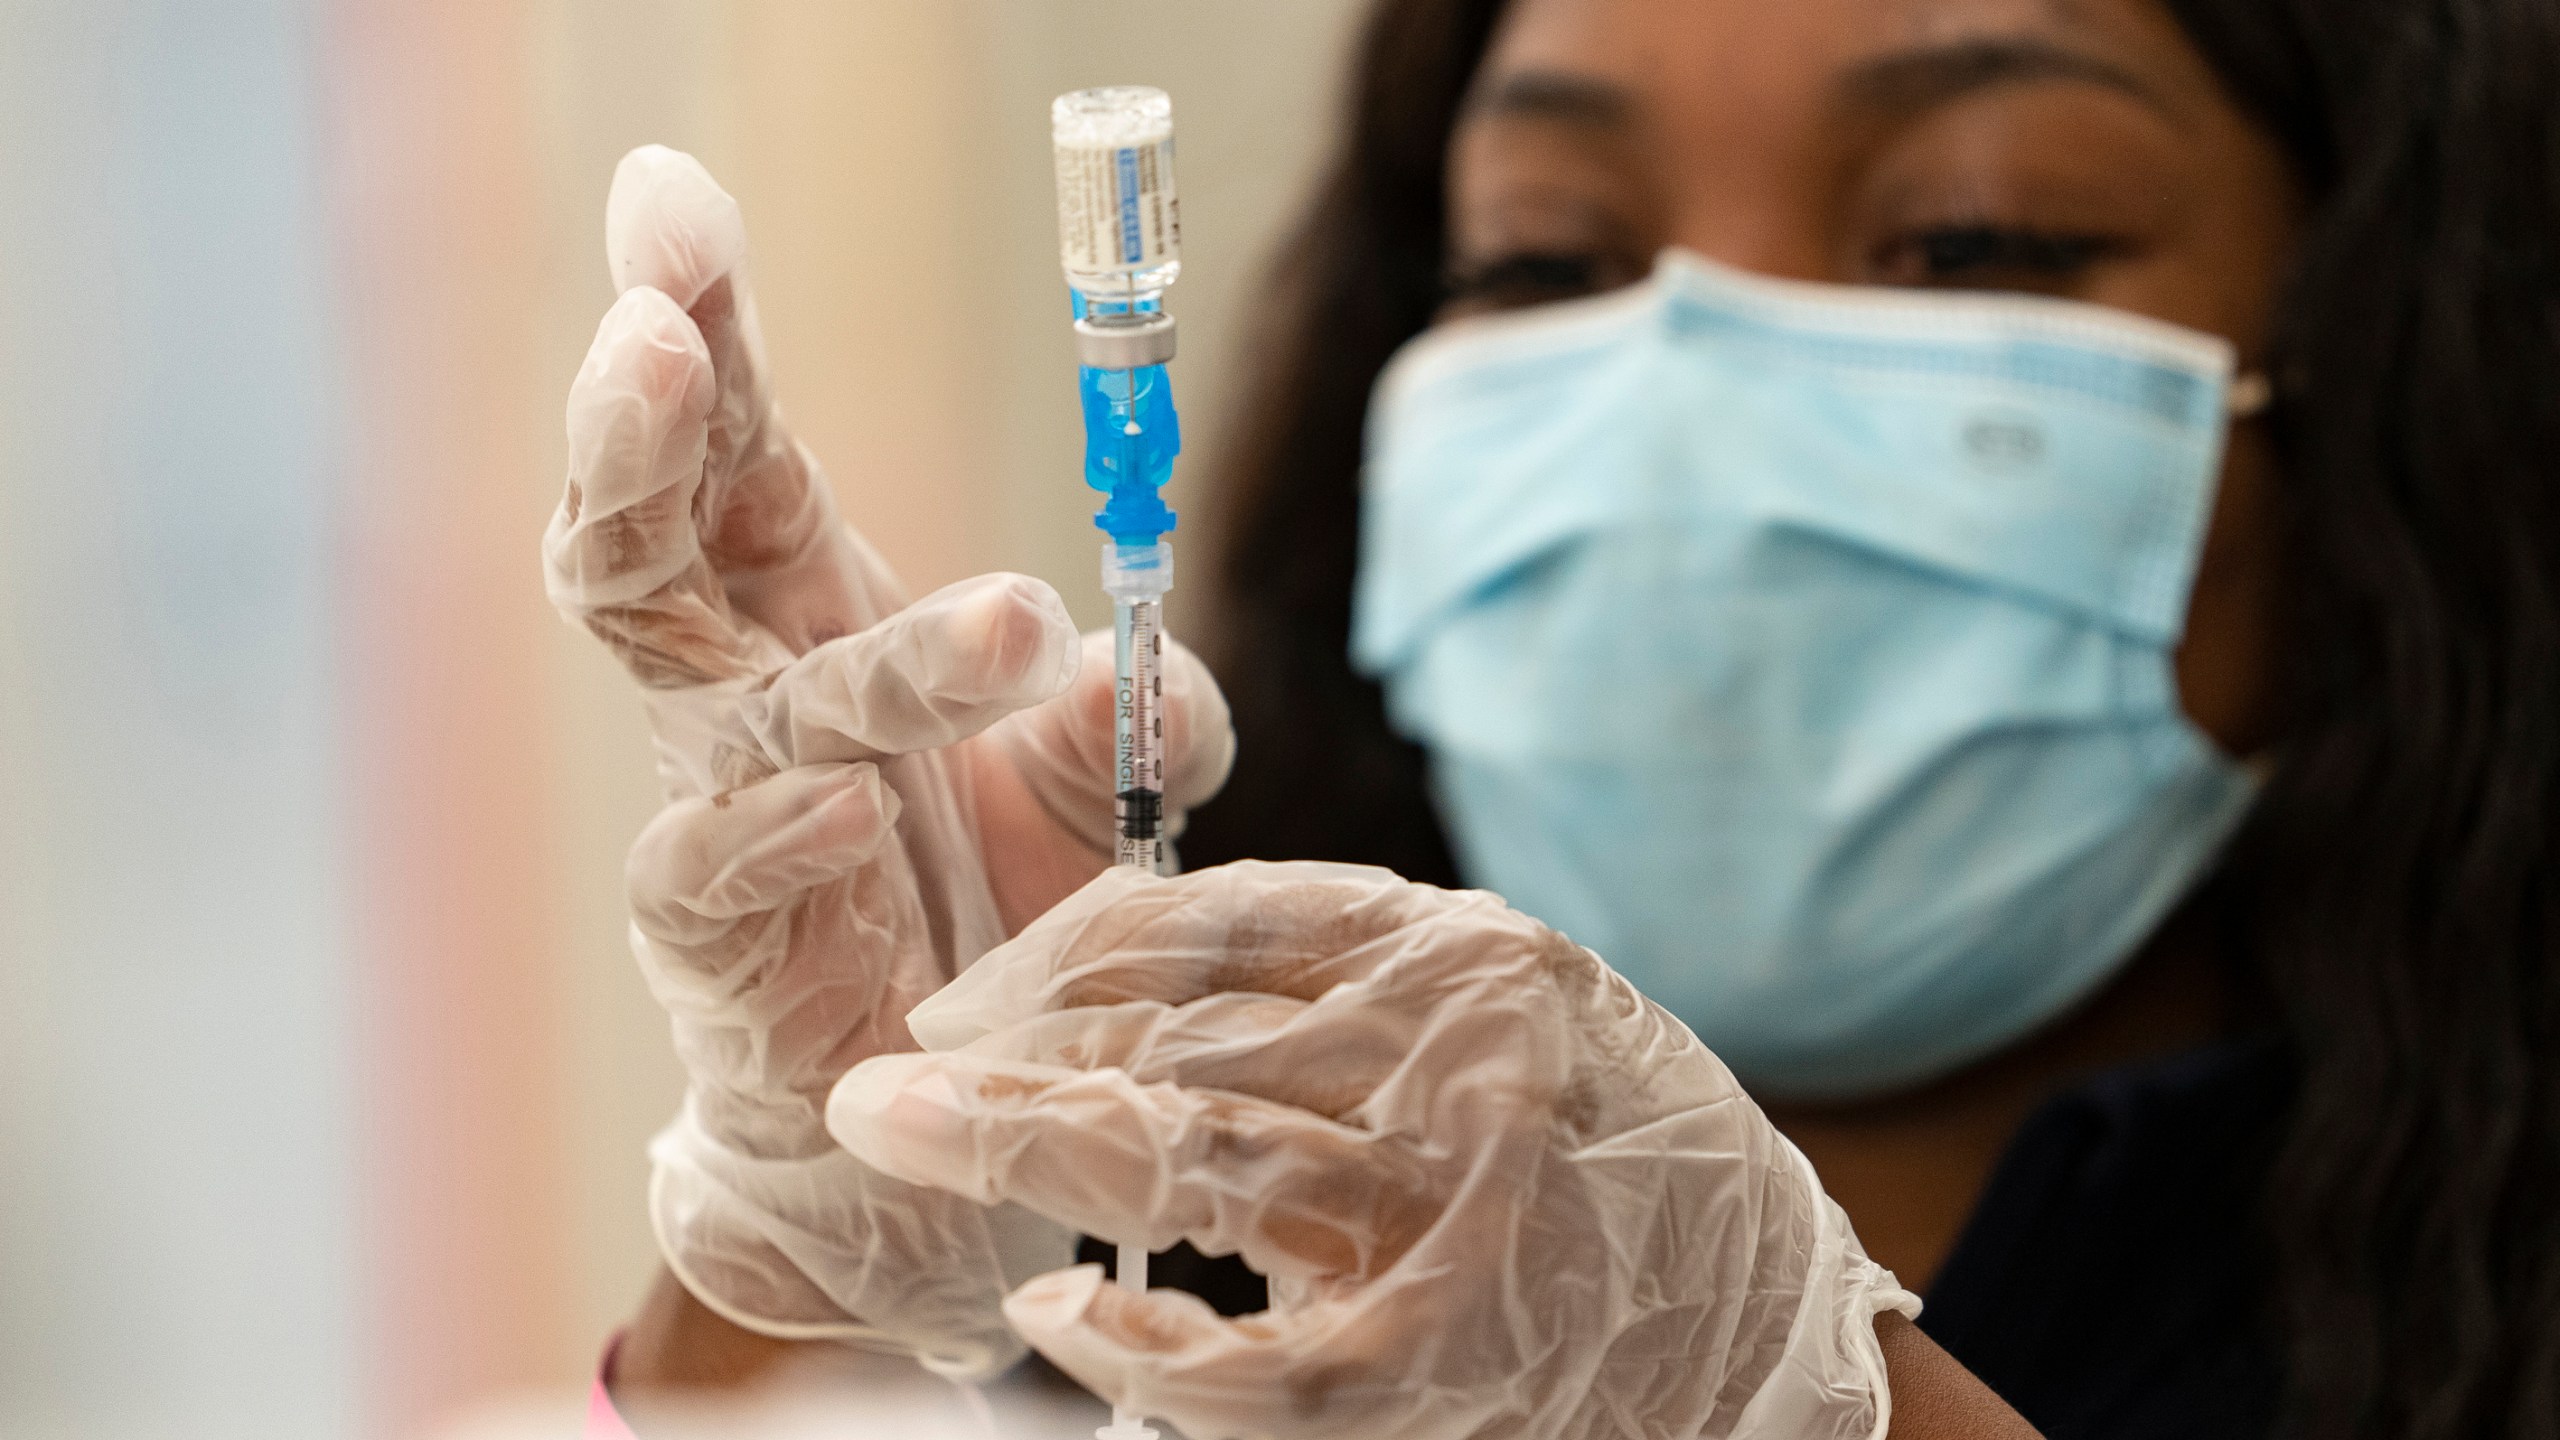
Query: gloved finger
[[1064, 750], [1327, 1057], [1199, 735], [766, 515], [704, 863], [621, 555], [668, 226], [1335, 1367], [1297, 928], [1298, 1195], [938, 671]]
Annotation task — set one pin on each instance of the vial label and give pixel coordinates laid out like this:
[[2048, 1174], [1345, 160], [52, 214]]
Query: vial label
[[1116, 207]]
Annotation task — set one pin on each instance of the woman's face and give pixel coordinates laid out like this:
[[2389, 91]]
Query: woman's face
[[2079, 148]]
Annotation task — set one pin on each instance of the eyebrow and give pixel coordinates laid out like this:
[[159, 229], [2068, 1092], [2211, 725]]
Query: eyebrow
[[1556, 95], [1908, 81]]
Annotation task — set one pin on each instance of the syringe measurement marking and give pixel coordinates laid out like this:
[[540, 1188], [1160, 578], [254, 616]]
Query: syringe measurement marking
[[1138, 738]]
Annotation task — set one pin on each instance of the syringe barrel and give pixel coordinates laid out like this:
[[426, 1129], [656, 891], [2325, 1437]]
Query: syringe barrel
[[1119, 219], [1137, 734], [1137, 578]]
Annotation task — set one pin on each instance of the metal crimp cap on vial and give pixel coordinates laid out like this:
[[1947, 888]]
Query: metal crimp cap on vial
[[1119, 341]]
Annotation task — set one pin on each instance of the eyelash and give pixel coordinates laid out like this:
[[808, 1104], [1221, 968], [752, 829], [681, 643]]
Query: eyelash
[[1969, 253], [1525, 278], [1981, 252]]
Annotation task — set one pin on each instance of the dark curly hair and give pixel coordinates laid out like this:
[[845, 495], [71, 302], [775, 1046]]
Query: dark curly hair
[[2398, 879]]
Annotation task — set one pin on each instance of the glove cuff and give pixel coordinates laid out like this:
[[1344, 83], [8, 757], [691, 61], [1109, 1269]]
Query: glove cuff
[[1830, 1379]]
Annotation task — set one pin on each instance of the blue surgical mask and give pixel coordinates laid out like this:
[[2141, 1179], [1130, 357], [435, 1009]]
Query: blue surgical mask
[[1806, 650]]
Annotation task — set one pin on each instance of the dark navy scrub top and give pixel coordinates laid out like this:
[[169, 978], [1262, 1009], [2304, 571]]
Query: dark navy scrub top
[[2111, 1283]]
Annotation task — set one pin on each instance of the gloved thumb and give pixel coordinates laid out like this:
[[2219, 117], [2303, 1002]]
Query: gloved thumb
[[1109, 1338], [1165, 1353]]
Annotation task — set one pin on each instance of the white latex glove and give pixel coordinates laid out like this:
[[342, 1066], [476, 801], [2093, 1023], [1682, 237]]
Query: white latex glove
[[954, 766], [1496, 1191]]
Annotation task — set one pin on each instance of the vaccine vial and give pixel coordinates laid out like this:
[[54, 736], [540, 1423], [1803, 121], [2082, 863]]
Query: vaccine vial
[[1119, 222]]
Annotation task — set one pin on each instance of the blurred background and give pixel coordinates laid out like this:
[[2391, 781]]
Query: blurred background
[[324, 1073]]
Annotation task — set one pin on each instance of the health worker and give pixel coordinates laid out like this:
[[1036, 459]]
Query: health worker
[[1870, 651]]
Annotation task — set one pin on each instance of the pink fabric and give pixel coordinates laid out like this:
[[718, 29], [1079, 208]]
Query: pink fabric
[[603, 1421]]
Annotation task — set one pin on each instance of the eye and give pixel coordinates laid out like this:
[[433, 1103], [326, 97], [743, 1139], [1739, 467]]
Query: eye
[[1991, 257], [1509, 282]]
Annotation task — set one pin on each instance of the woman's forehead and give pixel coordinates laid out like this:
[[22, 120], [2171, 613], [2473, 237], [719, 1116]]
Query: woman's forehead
[[1640, 56]]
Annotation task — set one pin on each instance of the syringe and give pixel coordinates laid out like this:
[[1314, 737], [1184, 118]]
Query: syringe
[[1120, 242]]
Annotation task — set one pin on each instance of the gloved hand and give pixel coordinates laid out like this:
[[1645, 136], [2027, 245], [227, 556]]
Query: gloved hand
[[1496, 1191], [868, 794]]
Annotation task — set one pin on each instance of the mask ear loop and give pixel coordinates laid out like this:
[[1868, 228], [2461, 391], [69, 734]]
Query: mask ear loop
[[2250, 394]]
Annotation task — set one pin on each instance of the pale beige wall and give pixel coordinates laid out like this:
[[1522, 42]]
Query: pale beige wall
[[312, 814], [892, 160]]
